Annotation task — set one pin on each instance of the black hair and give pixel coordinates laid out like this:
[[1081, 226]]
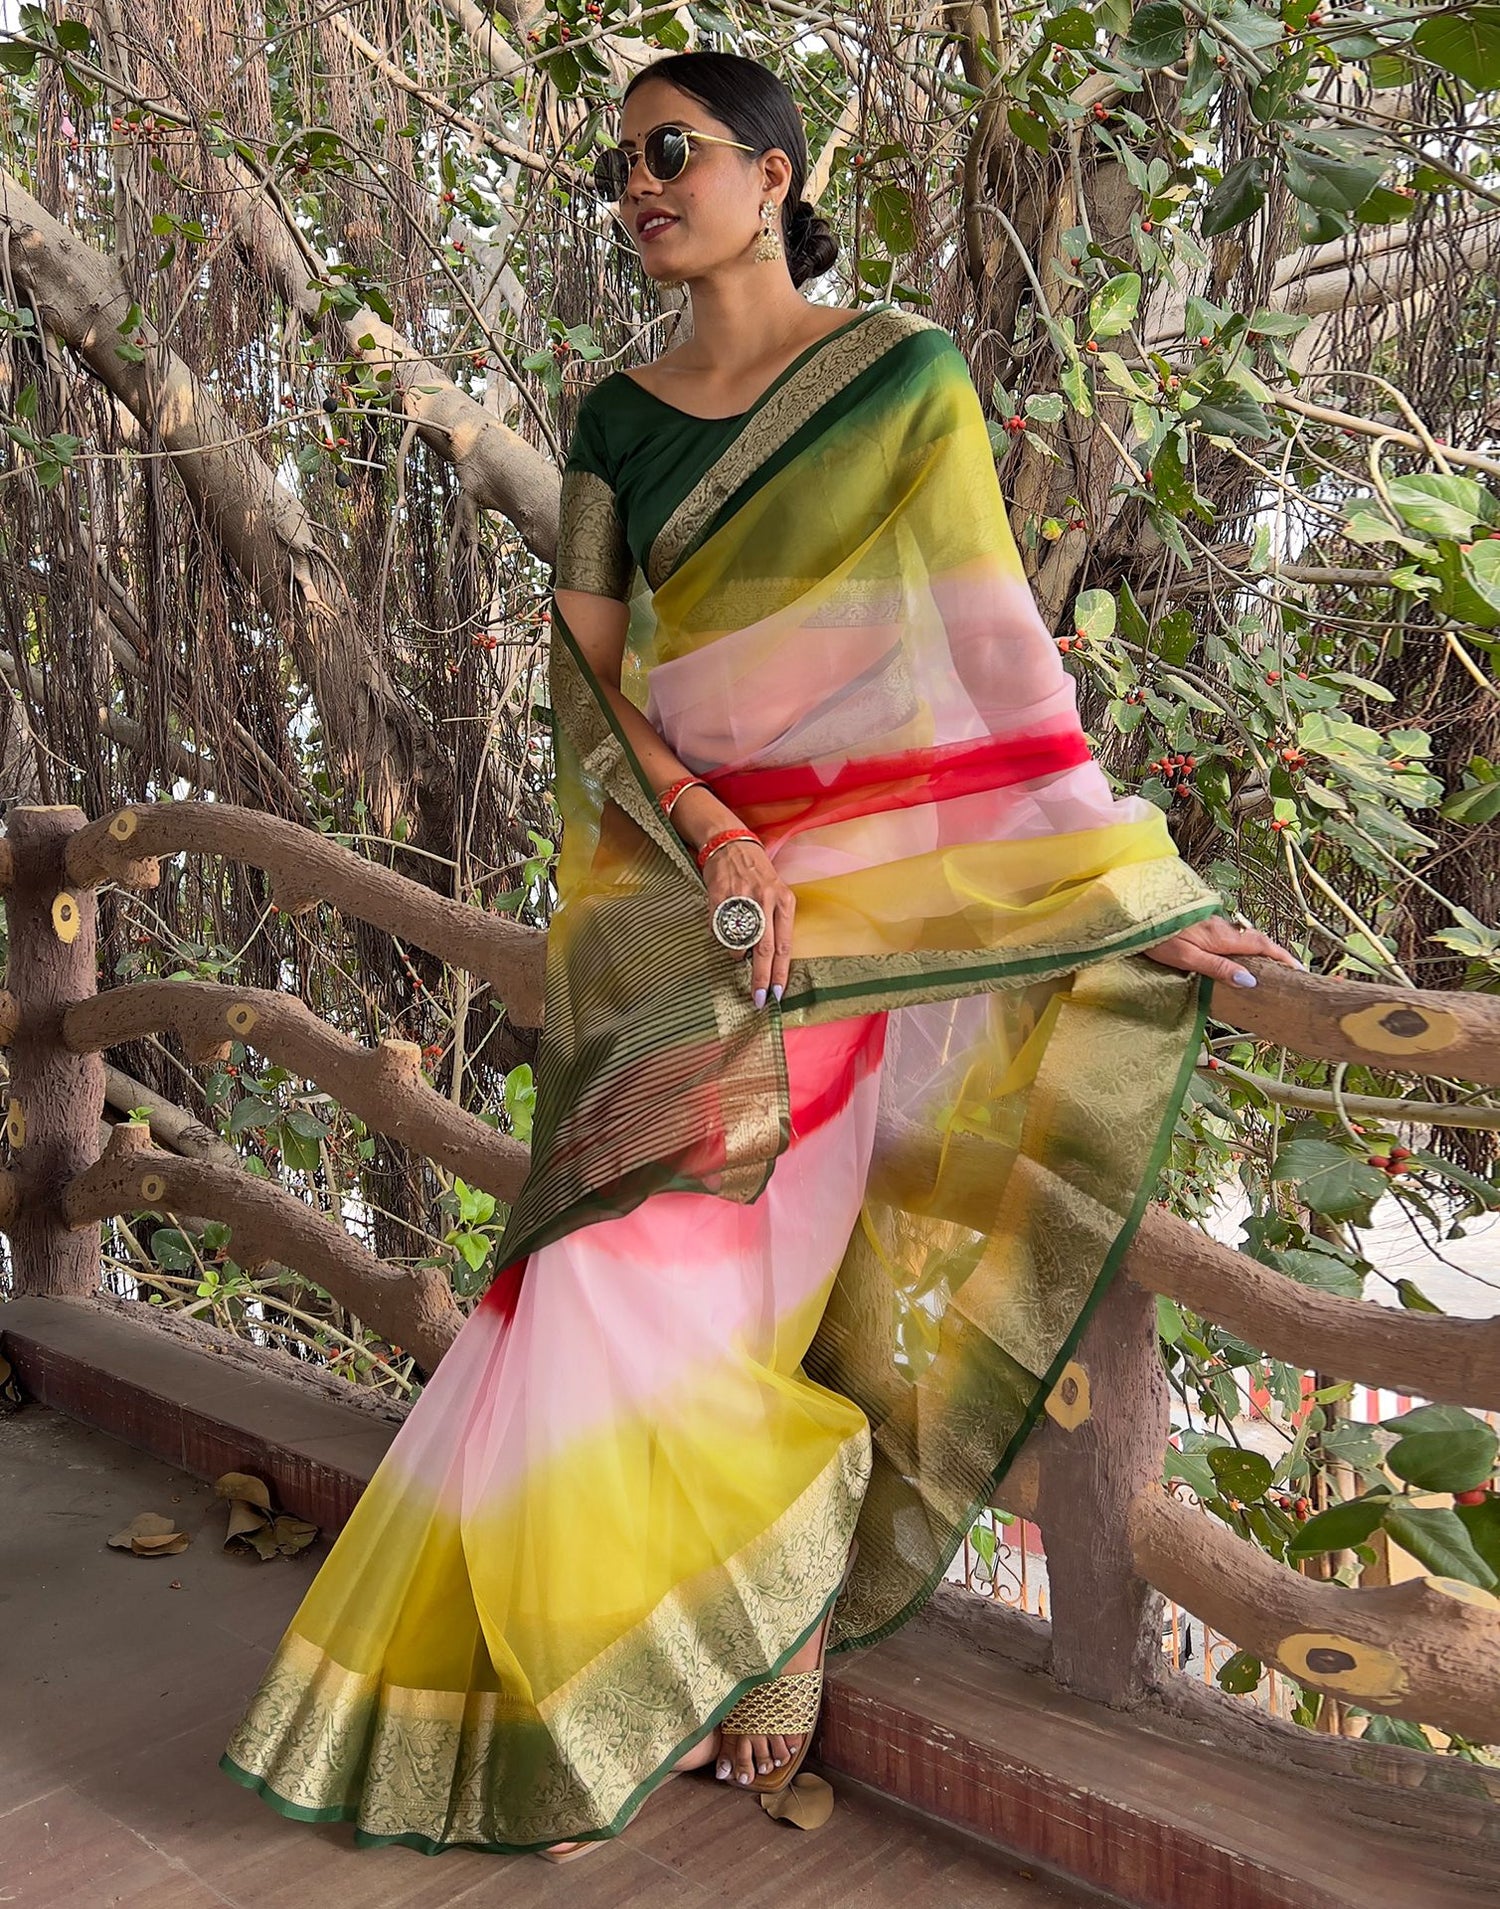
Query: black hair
[[756, 106]]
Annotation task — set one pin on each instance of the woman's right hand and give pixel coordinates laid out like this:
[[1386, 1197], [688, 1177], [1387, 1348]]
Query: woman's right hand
[[744, 868]]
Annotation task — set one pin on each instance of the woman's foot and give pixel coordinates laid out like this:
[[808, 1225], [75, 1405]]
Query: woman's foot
[[742, 1759]]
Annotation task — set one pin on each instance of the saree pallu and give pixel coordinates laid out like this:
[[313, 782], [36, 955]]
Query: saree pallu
[[777, 1278]]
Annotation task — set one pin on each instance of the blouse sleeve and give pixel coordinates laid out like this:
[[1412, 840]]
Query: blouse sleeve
[[592, 553]]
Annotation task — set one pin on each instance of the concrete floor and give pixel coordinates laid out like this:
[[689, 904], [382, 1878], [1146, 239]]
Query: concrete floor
[[118, 1692]]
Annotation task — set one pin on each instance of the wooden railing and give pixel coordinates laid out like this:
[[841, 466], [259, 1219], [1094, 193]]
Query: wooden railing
[[1428, 1649]]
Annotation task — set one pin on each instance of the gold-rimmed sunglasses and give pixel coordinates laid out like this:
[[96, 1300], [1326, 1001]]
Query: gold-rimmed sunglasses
[[666, 150]]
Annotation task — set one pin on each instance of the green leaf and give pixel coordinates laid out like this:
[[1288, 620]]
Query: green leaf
[[1030, 130], [1430, 1418], [895, 222], [1074, 27], [1114, 307], [1438, 503], [1438, 1539], [1094, 614], [1466, 43], [1397, 1730], [475, 1207], [306, 1124], [1075, 385], [250, 1115], [520, 1100], [1227, 411], [1241, 1674], [1329, 1179], [1157, 37], [1413, 1298], [475, 1248], [1328, 181], [1250, 25], [1326, 1270], [1238, 196], [1242, 1475], [172, 1250], [1482, 1522], [1340, 1526], [1459, 1460], [1474, 807], [299, 1151]]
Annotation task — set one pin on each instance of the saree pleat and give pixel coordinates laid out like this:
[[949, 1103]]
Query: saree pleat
[[777, 1278]]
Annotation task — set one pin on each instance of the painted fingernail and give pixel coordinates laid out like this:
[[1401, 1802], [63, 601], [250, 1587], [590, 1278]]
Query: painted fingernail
[[1299, 964], [777, 990], [744, 1776], [759, 997], [722, 1771], [1243, 978]]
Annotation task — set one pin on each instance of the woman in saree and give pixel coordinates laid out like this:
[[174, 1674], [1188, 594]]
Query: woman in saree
[[869, 1010]]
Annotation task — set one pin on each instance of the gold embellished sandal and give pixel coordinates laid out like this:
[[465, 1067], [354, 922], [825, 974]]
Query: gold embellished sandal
[[788, 1707]]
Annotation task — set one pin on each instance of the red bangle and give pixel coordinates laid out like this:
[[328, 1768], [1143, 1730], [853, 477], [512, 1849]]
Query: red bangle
[[723, 839], [669, 796]]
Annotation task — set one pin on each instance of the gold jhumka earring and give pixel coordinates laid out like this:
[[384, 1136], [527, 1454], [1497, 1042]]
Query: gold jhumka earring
[[768, 245]]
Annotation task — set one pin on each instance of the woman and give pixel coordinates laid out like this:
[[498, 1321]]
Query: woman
[[808, 1237]]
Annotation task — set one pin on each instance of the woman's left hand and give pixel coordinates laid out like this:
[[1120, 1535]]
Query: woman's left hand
[[1218, 948]]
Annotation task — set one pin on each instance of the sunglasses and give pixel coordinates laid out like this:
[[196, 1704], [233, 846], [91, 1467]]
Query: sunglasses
[[666, 150]]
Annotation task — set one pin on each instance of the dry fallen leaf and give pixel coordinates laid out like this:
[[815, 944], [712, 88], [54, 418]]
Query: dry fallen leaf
[[293, 1534], [160, 1547], [243, 1517], [253, 1525], [149, 1535], [244, 1485]]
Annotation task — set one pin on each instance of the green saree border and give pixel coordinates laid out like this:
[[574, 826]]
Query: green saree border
[[428, 1846], [1110, 1266], [849, 1462]]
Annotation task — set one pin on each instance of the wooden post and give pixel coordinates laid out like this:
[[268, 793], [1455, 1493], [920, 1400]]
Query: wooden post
[[1110, 1419], [56, 1097]]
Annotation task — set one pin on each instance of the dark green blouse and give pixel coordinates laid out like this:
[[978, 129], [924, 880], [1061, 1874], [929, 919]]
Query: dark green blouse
[[632, 459]]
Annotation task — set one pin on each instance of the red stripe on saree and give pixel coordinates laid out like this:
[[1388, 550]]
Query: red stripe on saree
[[786, 800]]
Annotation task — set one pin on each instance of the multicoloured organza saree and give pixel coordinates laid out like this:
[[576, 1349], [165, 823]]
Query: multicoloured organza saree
[[779, 1277]]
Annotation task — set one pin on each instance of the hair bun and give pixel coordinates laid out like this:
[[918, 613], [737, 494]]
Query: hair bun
[[813, 245]]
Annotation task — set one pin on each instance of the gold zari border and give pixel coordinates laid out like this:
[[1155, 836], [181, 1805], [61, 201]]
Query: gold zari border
[[475, 1767]]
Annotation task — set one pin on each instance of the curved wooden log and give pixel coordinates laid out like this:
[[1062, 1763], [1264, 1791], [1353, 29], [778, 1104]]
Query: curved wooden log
[[1451, 1361], [306, 868], [382, 1085], [1428, 1649], [413, 1309], [1397, 1030]]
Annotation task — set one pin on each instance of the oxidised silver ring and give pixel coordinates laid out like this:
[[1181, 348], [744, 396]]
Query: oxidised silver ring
[[738, 922]]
